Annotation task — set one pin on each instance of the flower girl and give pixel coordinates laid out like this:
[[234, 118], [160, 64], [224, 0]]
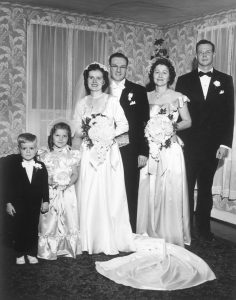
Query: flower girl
[[58, 229]]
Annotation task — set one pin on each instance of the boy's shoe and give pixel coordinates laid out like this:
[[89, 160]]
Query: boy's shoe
[[20, 260], [32, 260]]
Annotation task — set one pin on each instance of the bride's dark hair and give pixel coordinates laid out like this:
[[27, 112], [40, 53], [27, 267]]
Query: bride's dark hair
[[94, 67], [161, 61]]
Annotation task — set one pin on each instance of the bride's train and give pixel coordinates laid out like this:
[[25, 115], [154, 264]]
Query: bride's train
[[157, 265]]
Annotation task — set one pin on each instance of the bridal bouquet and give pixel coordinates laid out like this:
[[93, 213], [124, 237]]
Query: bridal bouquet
[[158, 132], [99, 132]]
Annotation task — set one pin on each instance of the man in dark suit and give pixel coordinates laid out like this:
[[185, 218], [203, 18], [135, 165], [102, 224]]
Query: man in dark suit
[[25, 194], [211, 107], [133, 146]]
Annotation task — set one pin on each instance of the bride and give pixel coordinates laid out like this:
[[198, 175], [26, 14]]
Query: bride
[[103, 209], [163, 209]]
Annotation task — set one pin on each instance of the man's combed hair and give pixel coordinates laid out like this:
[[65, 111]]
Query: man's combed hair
[[120, 55], [204, 42], [25, 138]]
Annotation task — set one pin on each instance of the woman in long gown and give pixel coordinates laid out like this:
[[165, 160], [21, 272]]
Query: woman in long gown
[[103, 210], [163, 209]]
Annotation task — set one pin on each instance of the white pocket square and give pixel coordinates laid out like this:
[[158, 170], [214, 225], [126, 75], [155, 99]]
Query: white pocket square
[[221, 92], [132, 103]]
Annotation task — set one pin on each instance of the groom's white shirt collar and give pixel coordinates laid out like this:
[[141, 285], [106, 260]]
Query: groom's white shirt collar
[[199, 69], [120, 84], [117, 88]]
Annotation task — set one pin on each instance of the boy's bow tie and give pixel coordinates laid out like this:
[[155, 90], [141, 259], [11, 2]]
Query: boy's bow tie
[[209, 74], [26, 163]]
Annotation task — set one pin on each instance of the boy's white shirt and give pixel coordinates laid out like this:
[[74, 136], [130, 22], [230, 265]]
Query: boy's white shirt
[[29, 166]]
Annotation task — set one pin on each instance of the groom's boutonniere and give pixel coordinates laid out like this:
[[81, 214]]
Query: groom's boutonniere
[[130, 97]]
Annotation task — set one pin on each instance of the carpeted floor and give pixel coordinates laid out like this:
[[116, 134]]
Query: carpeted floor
[[77, 278]]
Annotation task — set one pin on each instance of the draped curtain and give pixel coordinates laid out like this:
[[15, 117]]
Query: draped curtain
[[56, 58], [224, 38]]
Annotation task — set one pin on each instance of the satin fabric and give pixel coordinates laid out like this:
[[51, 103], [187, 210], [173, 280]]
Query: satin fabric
[[163, 207], [59, 227], [157, 266], [103, 209]]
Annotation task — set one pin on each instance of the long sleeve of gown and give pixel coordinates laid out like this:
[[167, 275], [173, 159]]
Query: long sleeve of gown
[[121, 122]]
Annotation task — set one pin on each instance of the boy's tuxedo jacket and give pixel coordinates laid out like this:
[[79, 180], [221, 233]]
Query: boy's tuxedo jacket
[[212, 118], [19, 191]]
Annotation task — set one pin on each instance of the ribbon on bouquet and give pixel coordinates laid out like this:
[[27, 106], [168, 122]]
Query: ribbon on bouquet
[[97, 160], [154, 165], [57, 204], [163, 163]]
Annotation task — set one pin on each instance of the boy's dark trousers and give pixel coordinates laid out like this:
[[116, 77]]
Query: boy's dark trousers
[[25, 231]]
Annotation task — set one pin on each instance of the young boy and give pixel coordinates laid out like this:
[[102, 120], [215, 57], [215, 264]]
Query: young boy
[[26, 193]]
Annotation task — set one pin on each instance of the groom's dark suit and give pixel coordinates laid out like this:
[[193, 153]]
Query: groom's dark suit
[[212, 126], [26, 197], [135, 105]]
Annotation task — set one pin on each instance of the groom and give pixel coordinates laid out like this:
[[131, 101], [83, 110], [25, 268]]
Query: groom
[[133, 147], [211, 107]]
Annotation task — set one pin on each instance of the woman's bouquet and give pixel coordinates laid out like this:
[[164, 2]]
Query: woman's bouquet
[[61, 178], [158, 132], [99, 132]]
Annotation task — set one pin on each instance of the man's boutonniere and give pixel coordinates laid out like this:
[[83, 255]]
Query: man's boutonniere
[[130, 97], [217, 83], [38, 166]]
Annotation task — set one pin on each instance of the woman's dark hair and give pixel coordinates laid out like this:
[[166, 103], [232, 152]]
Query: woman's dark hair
[[60, 125], [94, 67], [161, 61]]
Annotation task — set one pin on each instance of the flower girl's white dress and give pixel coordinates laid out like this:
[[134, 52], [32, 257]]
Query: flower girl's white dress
[[59, 227]]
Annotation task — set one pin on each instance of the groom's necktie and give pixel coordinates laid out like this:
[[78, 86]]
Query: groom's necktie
[[209, 74]]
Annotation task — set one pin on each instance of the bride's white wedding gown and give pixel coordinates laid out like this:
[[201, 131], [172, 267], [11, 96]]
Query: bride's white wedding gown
[[103, 209], [157, 265]]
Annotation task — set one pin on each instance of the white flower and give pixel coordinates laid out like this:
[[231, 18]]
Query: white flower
[[217, 83], [130, 96], [38, 166], [26, 164], [61, 177]]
